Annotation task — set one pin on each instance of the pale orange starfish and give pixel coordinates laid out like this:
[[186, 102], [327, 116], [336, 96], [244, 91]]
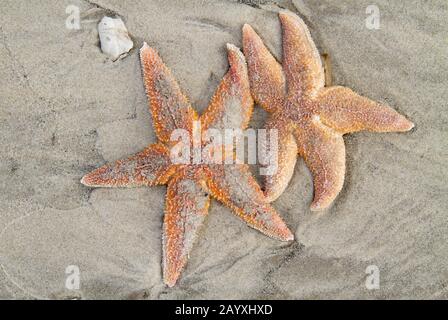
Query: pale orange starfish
[[310, 117], [189, 185]]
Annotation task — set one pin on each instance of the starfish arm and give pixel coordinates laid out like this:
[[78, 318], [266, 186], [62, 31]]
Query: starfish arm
[[266, 76], [234, 186], [169, 106], [231, 106], [186, 208], [346, 111], [286, 152], [323, 150], [301, 60], [150, 167]]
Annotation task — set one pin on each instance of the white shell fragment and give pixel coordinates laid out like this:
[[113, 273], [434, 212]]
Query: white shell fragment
[[114, 37]]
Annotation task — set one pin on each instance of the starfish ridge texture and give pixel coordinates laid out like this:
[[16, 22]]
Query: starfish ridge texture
[[190, 186], [310, 118]]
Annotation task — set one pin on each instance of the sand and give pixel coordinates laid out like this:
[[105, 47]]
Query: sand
[[66, 109]]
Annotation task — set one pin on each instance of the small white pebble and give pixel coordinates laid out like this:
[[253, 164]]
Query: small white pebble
[[114, 37]]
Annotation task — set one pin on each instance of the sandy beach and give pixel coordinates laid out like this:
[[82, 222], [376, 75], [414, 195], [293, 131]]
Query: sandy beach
[[66, 109]]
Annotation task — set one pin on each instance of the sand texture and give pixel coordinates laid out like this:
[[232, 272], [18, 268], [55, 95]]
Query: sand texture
[[65, 109]]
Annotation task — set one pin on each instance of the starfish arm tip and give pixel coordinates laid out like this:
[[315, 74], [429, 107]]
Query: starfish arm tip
[[285, 14], [274, 188], [250, 37], [90, 181], [249, 34], [148, 53], [86, 181], [247, 28], [315, 207], [401, 124], [170, 281], [289, 237], [409, 125], [282, 233], [235, 52], [144, 47], [231, 47], [319, 205]]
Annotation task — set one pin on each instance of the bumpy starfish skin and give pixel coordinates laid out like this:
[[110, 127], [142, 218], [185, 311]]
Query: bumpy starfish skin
[[191, 185], [310, 118]]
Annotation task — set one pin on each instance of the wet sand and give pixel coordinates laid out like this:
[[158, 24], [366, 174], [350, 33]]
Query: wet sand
[[66, 109]]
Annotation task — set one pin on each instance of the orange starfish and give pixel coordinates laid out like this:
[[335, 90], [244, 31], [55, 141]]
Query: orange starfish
[[189, 185], [310, 118]]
